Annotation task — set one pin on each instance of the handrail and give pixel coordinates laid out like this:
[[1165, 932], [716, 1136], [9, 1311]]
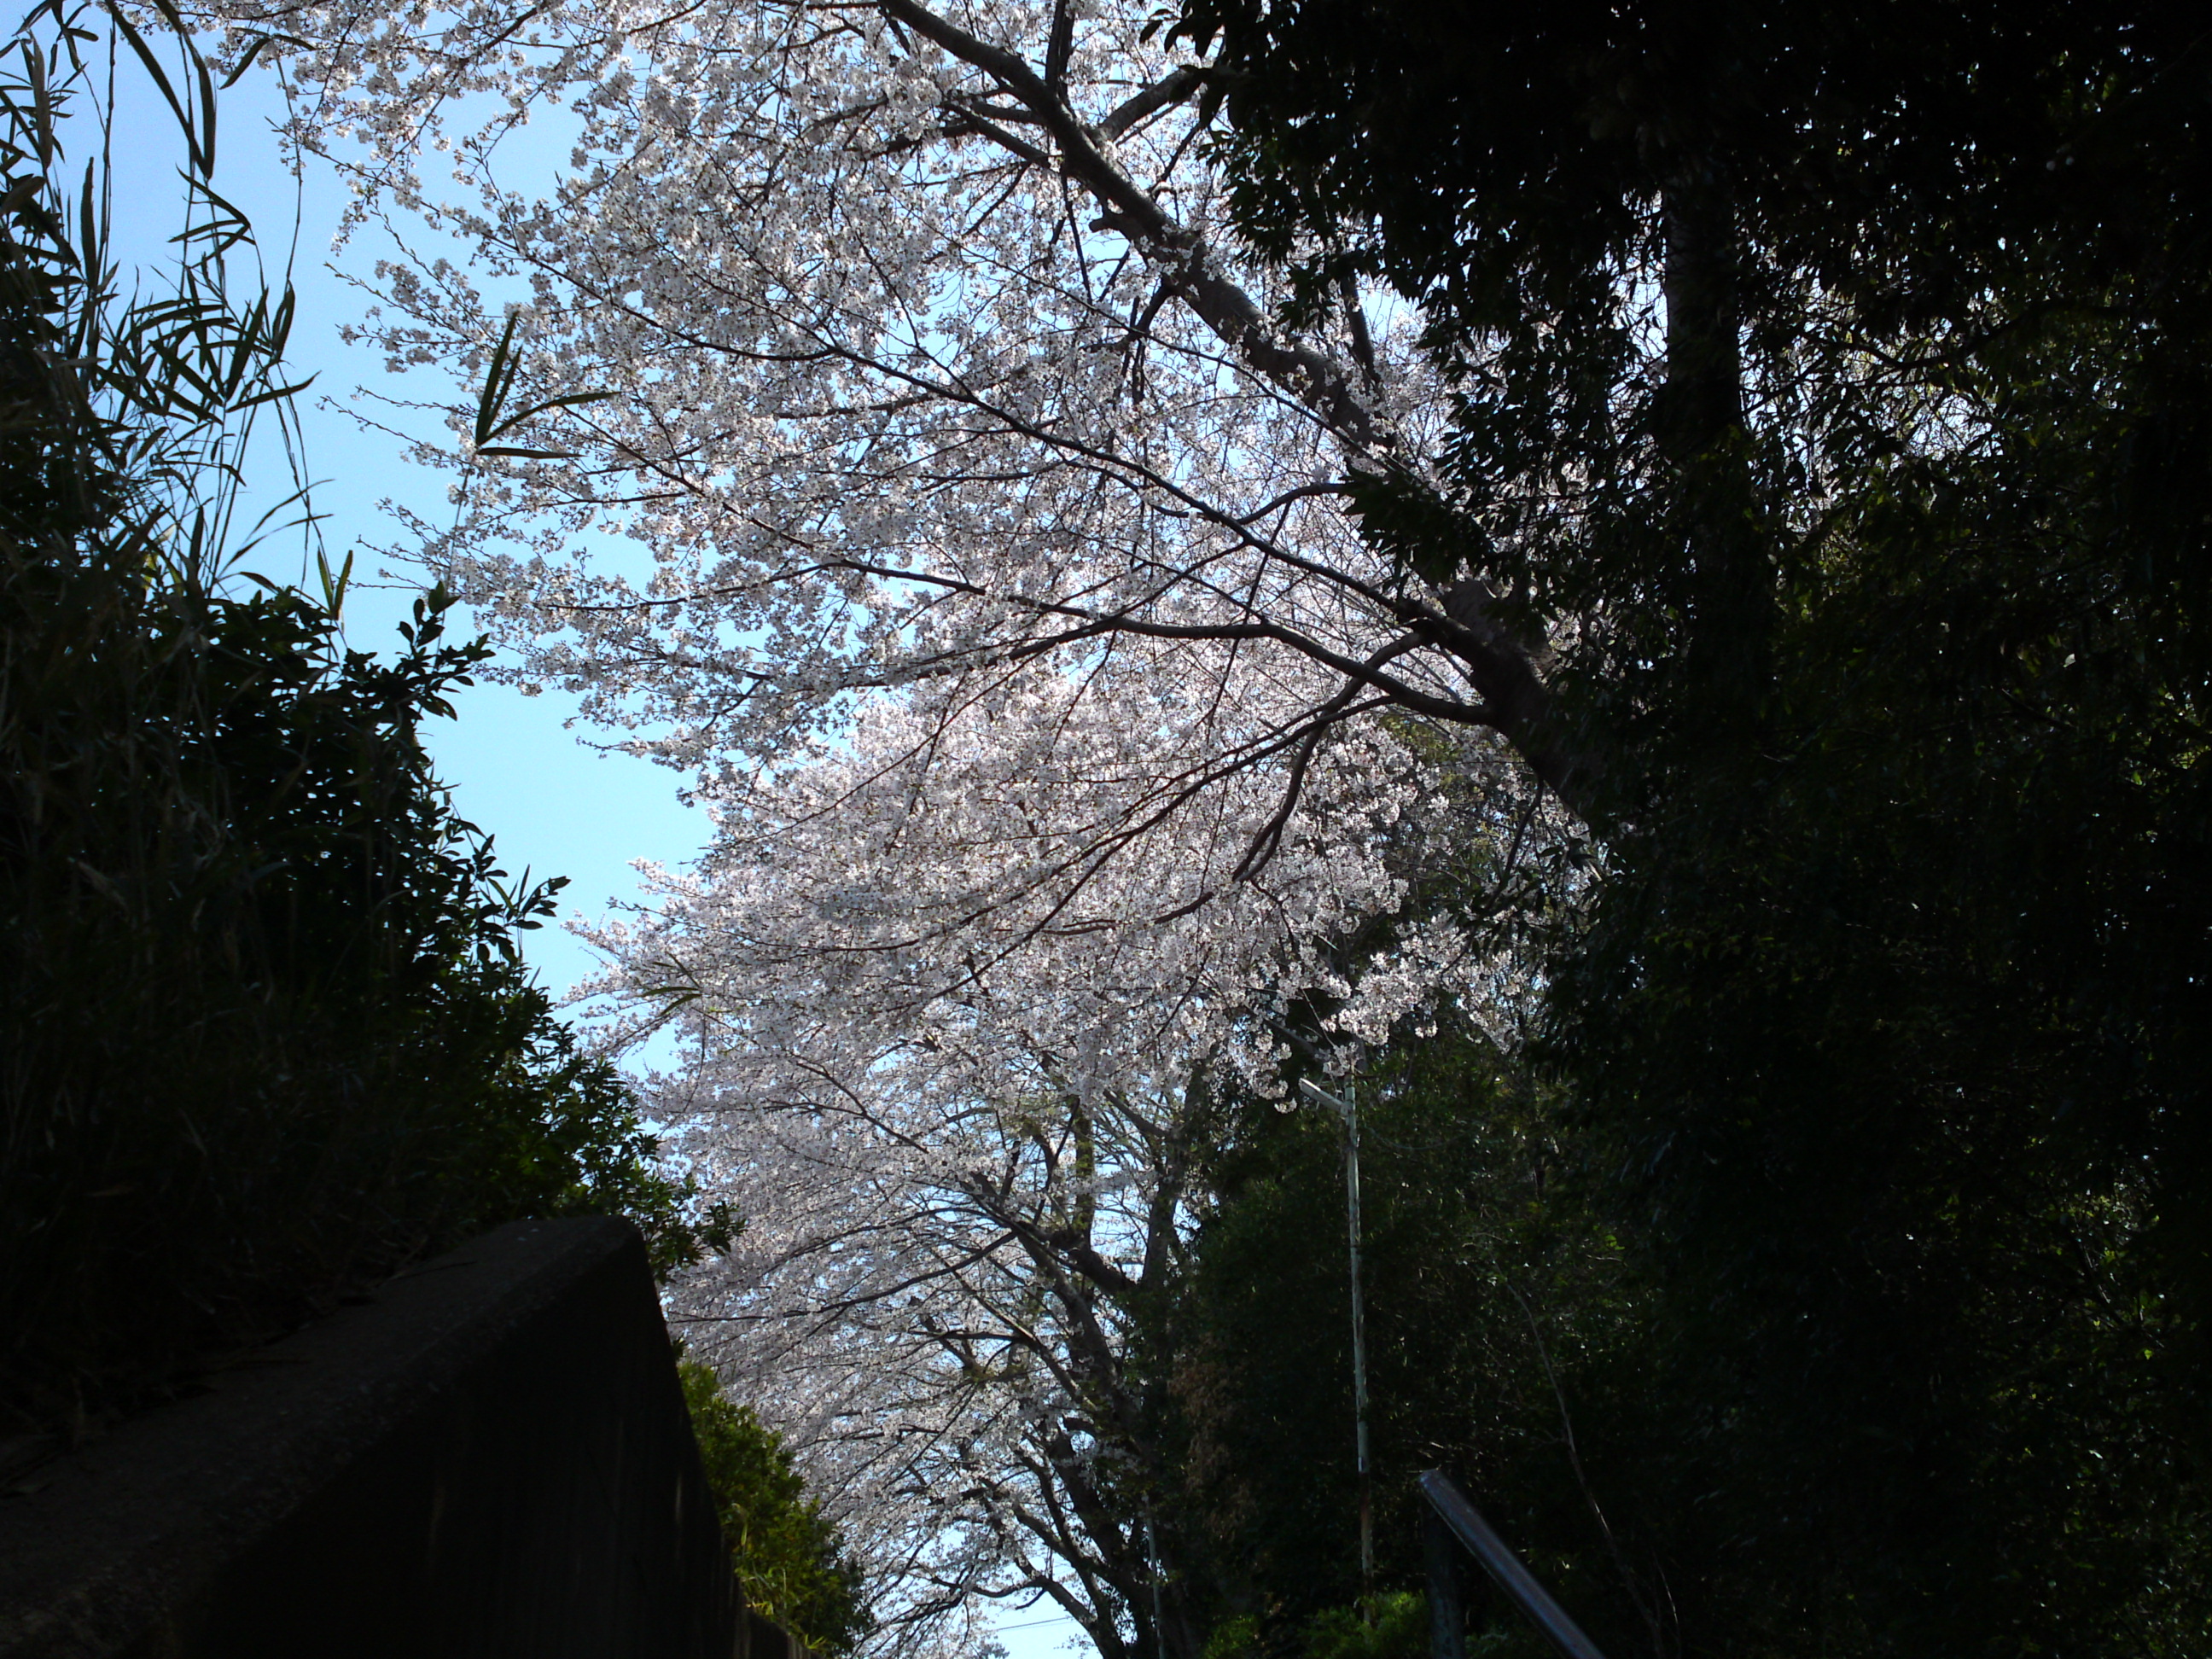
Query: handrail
[[1466, 1524]]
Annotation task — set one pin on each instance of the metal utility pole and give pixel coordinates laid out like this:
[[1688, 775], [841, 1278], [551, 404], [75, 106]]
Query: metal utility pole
[[1152, 1550], [1348, 1108]]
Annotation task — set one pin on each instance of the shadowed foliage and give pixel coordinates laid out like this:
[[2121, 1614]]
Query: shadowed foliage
[[1835, 395], [265, 1029], [790, 1561]]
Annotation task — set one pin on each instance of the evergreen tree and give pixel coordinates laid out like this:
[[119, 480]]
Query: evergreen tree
[[1832, 406]]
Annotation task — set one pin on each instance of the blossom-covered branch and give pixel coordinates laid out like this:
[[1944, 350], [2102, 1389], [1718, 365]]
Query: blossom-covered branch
[[1003, 602]]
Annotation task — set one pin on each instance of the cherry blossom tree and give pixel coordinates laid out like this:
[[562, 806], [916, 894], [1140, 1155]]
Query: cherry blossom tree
[[1058, 725], [903, 340], [959, 1093]]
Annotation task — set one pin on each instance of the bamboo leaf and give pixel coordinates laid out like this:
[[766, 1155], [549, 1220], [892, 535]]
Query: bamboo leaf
[[274, 392], [498, 377], [569, 401], [153, 65], [254, 50], [499, 382]]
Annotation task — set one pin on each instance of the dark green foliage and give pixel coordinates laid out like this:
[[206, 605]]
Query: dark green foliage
[[264, 1031], [1898, 1066], [791, 1562], [1487, 1281], [1855, 229], [1397, 1628], [1843, 376]]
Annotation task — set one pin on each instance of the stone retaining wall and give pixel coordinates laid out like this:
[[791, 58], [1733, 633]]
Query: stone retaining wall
[[489, 1458]]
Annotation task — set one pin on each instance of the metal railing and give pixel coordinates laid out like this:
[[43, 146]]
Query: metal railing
[[1453, 1520]]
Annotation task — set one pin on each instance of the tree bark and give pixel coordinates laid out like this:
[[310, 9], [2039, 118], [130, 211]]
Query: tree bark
[[1726, 590], [1504, 668]]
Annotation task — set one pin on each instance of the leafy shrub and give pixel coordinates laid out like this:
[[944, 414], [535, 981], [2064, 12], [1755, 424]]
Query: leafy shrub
[[1398, 1630], [790, 1561], [265, 1029]]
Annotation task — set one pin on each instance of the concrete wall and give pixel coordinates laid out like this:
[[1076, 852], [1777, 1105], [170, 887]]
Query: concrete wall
[[489, 1458]]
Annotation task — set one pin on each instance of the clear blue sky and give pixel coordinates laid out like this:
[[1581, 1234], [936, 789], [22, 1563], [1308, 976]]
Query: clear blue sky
[[516, 768]]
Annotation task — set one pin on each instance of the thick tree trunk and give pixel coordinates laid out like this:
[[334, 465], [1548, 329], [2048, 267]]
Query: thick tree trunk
[[1705, 359], [1726, 590], [1507, 675]]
